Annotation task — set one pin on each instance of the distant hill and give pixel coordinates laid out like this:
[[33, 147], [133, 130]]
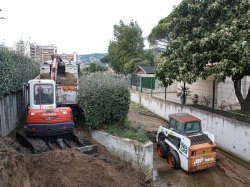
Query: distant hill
[[94, 57]]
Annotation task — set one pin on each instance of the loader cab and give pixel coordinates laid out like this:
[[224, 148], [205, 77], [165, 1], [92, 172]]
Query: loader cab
[[186, 129], [181, 124], [42, 94]]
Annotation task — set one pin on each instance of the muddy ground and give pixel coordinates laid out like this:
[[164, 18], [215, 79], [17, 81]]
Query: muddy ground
[[18, 167], [229, 171]]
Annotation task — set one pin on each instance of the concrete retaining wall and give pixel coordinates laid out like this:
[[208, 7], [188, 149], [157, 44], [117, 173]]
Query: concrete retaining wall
[[140, 156], [231, 135], [11, 111]]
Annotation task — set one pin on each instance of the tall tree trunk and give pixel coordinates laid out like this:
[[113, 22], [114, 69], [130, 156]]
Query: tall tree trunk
[[244, 103]]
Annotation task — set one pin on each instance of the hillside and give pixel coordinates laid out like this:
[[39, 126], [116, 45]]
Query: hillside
[[94, 57]]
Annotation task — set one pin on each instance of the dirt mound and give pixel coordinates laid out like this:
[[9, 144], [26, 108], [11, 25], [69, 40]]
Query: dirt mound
[[68, 80], [62, 168], [8, 144]]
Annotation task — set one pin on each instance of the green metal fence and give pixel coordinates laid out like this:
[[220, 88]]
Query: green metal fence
[[148, 82]]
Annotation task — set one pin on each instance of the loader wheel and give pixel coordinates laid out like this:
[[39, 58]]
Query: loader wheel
[[173, 159], [162, 149]]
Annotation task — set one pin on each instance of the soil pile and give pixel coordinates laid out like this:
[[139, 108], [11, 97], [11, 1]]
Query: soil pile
[[61, 168], [68, 79]]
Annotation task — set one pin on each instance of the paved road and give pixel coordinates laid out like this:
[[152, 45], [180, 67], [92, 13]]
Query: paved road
[[227, 173]]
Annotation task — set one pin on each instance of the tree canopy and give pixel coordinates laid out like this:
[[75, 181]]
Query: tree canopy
[[93, 67], [206, 38], [15, 69], [126, 51]]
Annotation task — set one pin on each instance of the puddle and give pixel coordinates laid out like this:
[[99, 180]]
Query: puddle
[[164, 176]]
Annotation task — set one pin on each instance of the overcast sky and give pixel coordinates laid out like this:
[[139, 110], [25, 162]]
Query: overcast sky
[[82, 26]]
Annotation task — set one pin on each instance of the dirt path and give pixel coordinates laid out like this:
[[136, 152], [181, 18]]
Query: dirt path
[[138, 114], [150, 121], [228, 172]]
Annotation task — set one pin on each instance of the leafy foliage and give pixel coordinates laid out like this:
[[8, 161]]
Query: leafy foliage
[[206, 38], [195, 99], [183, 91], [105, 59], [15, 69], [95, 68], [104, 99], [126, 52]]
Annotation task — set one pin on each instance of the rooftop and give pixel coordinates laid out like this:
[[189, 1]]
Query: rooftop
[[183, 117], [146, 69]]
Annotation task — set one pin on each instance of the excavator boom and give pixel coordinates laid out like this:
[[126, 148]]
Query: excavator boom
[[55, 61]]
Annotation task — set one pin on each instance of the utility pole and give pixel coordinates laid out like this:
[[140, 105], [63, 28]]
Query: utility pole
[[210, 65]]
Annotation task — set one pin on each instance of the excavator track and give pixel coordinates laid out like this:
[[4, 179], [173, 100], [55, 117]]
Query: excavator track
[[37, 145], [43, 144]]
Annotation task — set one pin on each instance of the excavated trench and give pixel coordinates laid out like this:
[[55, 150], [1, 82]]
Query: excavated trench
[[18, 167]]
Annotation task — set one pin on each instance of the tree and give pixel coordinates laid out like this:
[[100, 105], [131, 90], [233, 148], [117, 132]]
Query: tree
[[15, 69], [206, 38], [126, 50], [105, 59], [95, 67]]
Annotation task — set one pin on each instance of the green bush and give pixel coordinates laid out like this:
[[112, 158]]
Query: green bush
[[15, 69], [104, 99]]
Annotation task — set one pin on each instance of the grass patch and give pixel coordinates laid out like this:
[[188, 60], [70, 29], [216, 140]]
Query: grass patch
[[135, 107], [126, 130], [238, 111]]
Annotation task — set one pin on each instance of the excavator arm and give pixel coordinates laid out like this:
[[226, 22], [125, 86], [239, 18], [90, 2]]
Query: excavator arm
[[55, 61]]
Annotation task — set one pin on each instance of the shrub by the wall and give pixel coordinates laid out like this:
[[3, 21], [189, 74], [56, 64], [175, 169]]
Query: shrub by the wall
[[15, 69], [104, 99]]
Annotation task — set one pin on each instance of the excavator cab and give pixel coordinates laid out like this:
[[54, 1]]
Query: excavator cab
[[42, 94], [44, 118]]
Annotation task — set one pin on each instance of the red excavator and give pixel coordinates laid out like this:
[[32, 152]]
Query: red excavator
[[47, 124]]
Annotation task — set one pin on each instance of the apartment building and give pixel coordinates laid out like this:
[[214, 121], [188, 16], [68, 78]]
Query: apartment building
[[42, 53], [69, 57], [22, 47], [38, 53]]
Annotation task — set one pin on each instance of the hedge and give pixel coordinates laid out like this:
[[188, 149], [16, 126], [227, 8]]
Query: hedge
[[15, 69], [104, 99]]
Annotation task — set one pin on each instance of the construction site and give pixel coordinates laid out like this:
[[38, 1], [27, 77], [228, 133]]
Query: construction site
[[19, 167], [52, 146], [69, 167]]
